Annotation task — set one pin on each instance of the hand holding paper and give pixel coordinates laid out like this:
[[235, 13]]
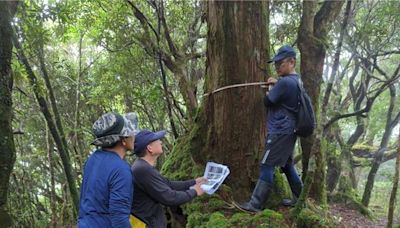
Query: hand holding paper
[[215, 175]]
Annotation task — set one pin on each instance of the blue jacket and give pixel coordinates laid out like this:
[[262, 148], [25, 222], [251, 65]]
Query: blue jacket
[[106, 191], [282, 96]]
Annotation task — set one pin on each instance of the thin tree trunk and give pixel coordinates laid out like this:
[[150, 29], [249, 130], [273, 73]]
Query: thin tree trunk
[[314, 28], [77, 135], [52, 97], [7, 151], [336, 61], [393, 194], [50, 123], [167, 98], [53, 205], [390, 124], [163, 75]]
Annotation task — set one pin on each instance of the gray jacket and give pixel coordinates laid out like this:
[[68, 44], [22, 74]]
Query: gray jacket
[[152, 191]]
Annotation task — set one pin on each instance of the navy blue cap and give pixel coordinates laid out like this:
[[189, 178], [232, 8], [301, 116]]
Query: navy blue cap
[[284, 52], [145, 137]]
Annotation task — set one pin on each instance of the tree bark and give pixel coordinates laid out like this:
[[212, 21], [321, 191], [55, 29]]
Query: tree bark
[[7, 151], [336, 61], [393, 194], [313, 31], [234, 119], [390, 124], [53, 203]]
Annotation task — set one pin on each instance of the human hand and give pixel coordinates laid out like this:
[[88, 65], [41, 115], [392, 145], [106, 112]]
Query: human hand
[[198, 189], [271, 80], [201, 180]]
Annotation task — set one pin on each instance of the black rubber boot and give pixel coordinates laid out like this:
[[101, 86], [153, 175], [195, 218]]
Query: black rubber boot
[[258, 198], [296, 190]]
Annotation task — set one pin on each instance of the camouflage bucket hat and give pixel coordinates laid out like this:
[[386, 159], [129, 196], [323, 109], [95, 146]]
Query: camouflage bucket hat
[[110, 127]]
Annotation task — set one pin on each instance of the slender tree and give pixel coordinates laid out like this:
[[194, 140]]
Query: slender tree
[[393, 194], [7, 151], [37, 89], [312, 34]]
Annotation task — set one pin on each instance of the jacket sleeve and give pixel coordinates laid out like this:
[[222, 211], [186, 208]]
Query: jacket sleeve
[[278, 92], [267, 102], [121, 191], [158, 188], [181, 185]]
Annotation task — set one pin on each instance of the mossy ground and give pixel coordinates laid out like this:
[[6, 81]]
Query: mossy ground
[[313, 216]]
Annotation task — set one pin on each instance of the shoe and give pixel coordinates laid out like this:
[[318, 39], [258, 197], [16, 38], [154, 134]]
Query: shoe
[[258, 198], [296, 190]]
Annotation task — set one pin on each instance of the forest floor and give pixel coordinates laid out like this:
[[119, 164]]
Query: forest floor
[[350, 218]]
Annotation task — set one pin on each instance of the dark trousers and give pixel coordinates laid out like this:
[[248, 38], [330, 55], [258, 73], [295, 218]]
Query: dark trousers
[[267, 173]]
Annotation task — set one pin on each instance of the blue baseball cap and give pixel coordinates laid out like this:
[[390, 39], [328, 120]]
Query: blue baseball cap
[[145, 137], [284, 52]]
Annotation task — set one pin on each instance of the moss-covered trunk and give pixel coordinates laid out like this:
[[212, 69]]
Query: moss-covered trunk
[[235, 118], [7, 151], [230, 124], [312, 35], [229, 127]]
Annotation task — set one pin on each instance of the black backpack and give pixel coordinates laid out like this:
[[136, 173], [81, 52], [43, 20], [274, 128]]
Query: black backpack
[[305, 124], [305, 117]]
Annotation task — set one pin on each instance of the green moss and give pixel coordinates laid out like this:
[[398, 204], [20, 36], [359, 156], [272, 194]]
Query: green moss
[[313, 216], [197, 219], [179, 164], [309, 218], [266, 218], [363, 147], [269, 218], [218, 220], [241, 220]]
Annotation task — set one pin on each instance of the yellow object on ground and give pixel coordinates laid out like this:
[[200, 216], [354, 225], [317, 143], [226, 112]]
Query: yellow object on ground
[[136, 222]]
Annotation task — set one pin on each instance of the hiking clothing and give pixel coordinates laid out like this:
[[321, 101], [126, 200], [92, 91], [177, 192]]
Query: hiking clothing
[[106, 191], [152, 191]]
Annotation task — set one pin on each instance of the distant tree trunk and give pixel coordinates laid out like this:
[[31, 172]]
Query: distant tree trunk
[[175, 59], [234, 119], [7, 151], [393, 194], [50, 123], [52, 97], [390, 124], [334, 167], [53, 205], [79, 148], [313, 31]]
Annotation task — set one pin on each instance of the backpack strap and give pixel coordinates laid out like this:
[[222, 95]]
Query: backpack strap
[[301, 88]]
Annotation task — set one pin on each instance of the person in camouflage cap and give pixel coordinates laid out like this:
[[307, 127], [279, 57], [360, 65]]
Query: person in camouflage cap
[[107, 189], [111, 128]]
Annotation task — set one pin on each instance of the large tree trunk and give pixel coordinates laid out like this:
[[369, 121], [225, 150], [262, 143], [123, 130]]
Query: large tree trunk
[[314, 28], [235, 118], [7, 151], [229, 127]]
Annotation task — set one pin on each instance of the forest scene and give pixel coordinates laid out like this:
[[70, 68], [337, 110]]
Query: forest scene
[[200, 70]]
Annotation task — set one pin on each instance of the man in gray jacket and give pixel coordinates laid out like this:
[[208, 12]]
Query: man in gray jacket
[[152, 190]]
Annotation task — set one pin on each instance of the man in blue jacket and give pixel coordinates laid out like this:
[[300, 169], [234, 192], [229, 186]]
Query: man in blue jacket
[[281, 100], [107, 190]]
